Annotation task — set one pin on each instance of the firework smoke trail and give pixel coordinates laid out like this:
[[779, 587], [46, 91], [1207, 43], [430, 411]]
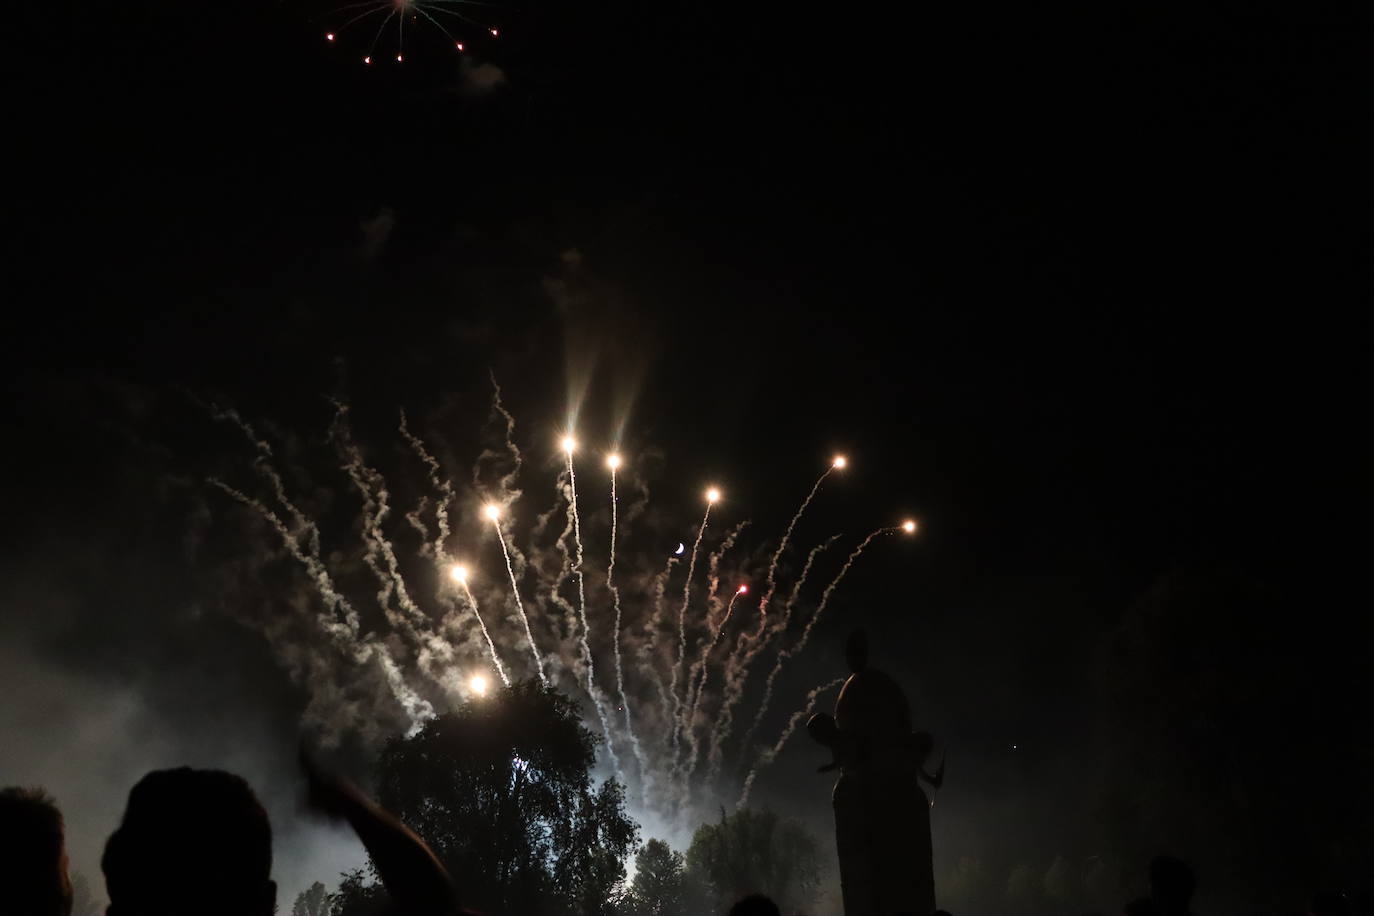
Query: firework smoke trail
[[649, 649], [759, 640], [676, 724], [782, 629], [614, 464], [693, 744], [440, 483], [438, 549], [737, 665], [343, 632], [569, 446], [495, 515], [772, 583], [771, 753], [691, 689], [785, 654], [433, 650], [461, 576]]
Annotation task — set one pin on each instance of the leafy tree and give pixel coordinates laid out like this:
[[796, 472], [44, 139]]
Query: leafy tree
[[660, 886], [313, 901], [755, 852], [501, 790]]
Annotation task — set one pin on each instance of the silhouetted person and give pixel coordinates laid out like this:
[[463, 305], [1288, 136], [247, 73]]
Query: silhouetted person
[[1171, 886], [755, 905], [192, 841], [1171, 889], [415, 880], [33, 855]]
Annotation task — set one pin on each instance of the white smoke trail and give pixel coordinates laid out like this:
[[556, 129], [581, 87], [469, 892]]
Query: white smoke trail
[[675, 724], [781, 630], [438, 550], [586, 633], [772, 582], [520, 605], [737, 666], [635, 746], [785, 654], [649, 649], [693, 743], [695, 674], [434, 653], [496, 659], [339, 620], [769, 755]]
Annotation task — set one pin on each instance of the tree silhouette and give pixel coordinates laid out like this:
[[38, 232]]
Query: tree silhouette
[[754, 852], [501, 791], [661, 886], [313, 901]]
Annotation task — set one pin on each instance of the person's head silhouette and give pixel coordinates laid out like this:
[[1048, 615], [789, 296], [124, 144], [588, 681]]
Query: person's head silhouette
[[1171, 885], [33, 855], [191, 841], [755, 905]]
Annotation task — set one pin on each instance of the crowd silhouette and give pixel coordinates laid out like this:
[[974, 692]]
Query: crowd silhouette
[[203, 836]]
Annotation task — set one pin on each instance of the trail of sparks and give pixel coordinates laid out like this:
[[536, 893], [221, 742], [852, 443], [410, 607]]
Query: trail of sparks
[[691, 693], [495, 658], [682, 629], [772, 582], [703, 666], [520, 605], [785, 654], [650, 648], [344, 632], [737, 665], [697, 709], [769, 755], [619, 665], [586, 636]]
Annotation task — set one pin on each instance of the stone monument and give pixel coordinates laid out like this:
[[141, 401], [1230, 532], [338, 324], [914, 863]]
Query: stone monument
[[882, 816]]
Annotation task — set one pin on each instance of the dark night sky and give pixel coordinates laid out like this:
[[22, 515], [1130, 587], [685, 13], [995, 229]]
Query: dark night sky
[[1077, 286]]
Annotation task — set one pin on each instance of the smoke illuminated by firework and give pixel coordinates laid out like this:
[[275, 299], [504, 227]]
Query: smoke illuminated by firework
[[525, 602]]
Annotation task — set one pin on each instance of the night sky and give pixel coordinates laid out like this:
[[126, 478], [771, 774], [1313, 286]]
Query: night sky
[[1075, 286]]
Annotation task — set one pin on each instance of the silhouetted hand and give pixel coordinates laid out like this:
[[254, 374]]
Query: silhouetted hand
[[414, 878]]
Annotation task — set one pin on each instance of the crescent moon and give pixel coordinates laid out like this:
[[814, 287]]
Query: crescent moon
[[681, 548]]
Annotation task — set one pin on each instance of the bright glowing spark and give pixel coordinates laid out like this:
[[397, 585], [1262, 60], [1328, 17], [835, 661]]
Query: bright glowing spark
[[742, 590], [459, 574], [713, 495], [492, 511], [840, 462], [328, 36], [460, 46], [478, 684], [494, 33], [613, 462], [909, 526], [398, 58], [569, 444], [367, 60]]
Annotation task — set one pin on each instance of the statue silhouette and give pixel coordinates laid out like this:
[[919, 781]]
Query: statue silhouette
[[882, 817]]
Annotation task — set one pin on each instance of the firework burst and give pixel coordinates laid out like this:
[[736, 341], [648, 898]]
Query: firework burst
[[481, 630]]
